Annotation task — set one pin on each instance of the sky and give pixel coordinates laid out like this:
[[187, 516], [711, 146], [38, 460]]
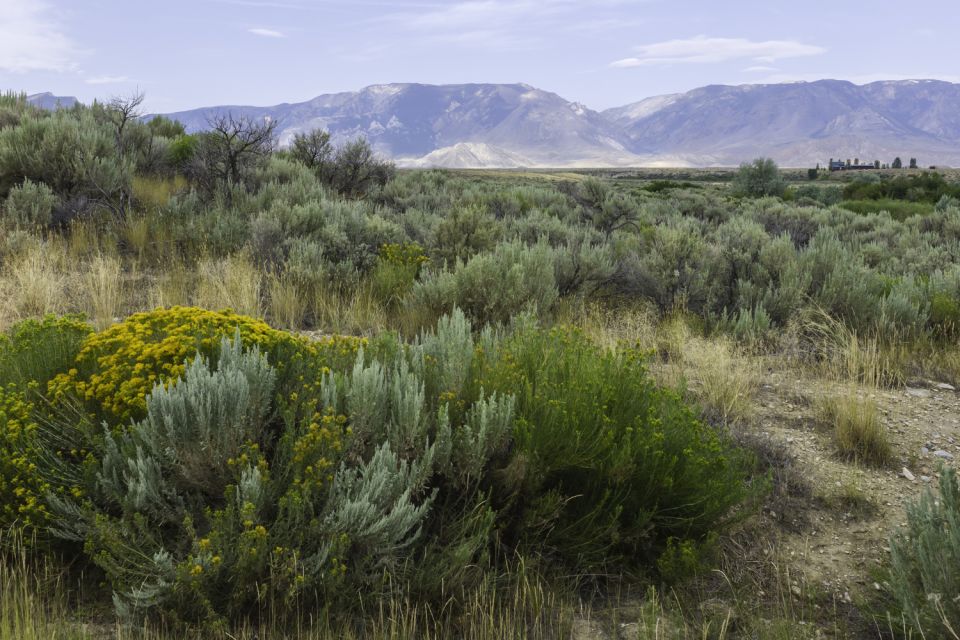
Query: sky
[[191, 53]]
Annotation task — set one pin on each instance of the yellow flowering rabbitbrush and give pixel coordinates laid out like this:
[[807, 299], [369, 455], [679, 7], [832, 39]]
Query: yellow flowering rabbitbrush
[[117, 368]]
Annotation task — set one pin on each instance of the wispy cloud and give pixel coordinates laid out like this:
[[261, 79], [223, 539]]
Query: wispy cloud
[[504, 24], [106, 79], [31, 40], [760, 69], [706, 50], [266, 33]]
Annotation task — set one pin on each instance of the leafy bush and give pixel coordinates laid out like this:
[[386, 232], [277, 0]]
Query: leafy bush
[[262, 475], [492, 287], [924, 557], [607, 466], [898, 209], [31, 353], [30, 205], [758, 179]]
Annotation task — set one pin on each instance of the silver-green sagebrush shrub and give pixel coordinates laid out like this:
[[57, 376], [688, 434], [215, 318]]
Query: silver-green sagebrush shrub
[[925, 560], [29, 205], [492, 287]]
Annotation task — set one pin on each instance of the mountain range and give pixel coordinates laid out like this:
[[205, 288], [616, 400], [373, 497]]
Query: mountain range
[[516, 125]]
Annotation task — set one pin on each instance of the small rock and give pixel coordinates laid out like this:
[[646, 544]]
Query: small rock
[[917, 393], [796, 590], [943, 386], [925, 478], [946, 455], [924, 451], [906, 474]]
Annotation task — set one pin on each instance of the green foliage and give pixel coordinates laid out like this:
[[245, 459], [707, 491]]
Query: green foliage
[[492, 287], [259, 480], [758, 179], [607, 466], [927, 187], [945, 314], [924, 557], [29, 205], [898, 209], [31, 353], [37, 350], [396, 271], [71, 152]]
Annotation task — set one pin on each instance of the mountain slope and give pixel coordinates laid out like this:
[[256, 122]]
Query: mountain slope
[[50, 102], [508, 125], [413, 120], [799, 124]]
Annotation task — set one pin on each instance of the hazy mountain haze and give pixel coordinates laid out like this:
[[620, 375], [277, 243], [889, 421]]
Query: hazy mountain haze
[[489, 125]]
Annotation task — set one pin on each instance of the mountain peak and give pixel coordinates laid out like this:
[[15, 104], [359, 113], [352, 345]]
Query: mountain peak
[[476, 124]]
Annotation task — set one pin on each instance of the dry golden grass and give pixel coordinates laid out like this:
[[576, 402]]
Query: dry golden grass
[[858, 433], [721, 377], [846, 356], [611, 328], [230, 283], [351, 313], [289, 301], [102, 290], [36, 283], [151, 194]]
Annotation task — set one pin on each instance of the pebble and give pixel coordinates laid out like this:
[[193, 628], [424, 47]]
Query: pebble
[[943, 386], [946, 455], [906, 474], [918, 393], [925, 478]]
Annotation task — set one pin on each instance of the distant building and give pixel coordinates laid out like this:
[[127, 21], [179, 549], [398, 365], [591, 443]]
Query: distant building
[[840, 165]]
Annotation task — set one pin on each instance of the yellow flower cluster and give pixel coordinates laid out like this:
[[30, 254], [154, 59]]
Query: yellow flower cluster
[[315, 450], [406, 254], [118, 367], [20, 487]]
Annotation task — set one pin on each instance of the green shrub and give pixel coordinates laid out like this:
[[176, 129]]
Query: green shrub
[[924, 558], [607, 467], [29, 205], [243, 491], [31, 353], [758, 179], [898, 209], [945, 314], [396, 270], [492, 287]]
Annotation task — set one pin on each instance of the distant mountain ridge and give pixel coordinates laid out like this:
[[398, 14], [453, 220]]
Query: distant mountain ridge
[[799, 124], [50, 102], [516, 125]]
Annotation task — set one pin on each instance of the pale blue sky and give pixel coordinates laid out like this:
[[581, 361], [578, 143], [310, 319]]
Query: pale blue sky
[[604, 53]]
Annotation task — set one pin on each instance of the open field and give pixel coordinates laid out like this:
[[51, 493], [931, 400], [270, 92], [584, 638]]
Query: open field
[[299, 394]]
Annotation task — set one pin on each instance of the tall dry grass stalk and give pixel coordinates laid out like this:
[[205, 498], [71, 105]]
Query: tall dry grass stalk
[[173, 287], [233, 282], [102, 290], [857, 430], [351, 313], [31, 602], [722, 377], [846, 356], [135, 232], [289, 301], [612, 328], [35, 283]]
